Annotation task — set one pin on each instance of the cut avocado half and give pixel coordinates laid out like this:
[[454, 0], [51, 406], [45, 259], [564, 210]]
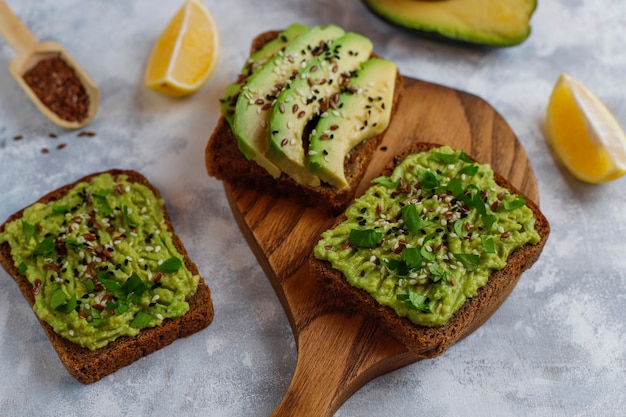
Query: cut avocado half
[[254, 63], [363, 111], [313, 93], [252, 109], [486, 22]]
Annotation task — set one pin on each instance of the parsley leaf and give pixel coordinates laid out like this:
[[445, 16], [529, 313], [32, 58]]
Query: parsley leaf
[[464, 157], [129, 222], [59, 209], [415, 301], [514, 204], [142, 319], [469, 261], [112, 286], [414, 223], [469, 170], [398, 267], [28, 230], [428, 255], [488, 245], [412, 257], [459, 227], [103, 204], [445, 158], [488, 220], [22, 268], [46, 247], [386, 181], [363, 238], [428, 180]]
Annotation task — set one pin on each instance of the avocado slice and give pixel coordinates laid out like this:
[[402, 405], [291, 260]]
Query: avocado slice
[[486, 22], [252, 109], [313, 93], [254, 63], [367, 102]]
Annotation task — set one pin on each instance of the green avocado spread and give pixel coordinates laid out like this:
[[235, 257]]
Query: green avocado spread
[[425, 239], [101, 260]]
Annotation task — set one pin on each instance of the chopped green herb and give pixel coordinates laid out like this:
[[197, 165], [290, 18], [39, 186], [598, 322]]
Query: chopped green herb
[[112, 286], [57, 298], [46, 247], [446, 158], [103, 204], [72, 243], [426, 254], [412, 257], [363, 238], [469, 170], [415, 301], [89, 285], [398, 267], [69, 306], [488, 245], [129, 222], [514, 204], [22, 268], [171, 265], [60, 209], [464, 157], [428, 179], [386, 181], [437, 273], [412, 220], [489, 220], [469, 261], [28, 230], [142, 319], [454, 186], [459, 227]]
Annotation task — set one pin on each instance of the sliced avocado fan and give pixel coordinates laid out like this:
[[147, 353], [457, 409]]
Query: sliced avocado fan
[[313, 93], [252, 108]]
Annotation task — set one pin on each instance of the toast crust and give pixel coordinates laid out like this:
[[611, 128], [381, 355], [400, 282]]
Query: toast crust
[[225, 162], [89, 366], [429, 342]]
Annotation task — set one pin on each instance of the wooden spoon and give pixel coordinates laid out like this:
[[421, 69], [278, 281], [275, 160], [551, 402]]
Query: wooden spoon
[[29, 53]]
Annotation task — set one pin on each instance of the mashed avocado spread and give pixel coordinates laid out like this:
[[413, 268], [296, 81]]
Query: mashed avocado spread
[[425, 239], [101, 261]]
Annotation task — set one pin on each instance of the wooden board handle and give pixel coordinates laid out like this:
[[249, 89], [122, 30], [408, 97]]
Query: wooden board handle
[[15, 32]]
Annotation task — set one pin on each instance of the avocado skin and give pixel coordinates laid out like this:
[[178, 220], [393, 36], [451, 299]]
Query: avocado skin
[[401, 13]]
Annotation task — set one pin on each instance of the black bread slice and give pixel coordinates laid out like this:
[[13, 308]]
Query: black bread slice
[[224, 161], [428, 342], [89, 366]]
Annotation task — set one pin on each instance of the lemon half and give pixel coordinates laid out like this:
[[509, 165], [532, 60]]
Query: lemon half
[[186, 53], [583, 133]]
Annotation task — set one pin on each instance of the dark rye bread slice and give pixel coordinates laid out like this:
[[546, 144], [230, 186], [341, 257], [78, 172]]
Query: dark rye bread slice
[[89, 366], [425, 341], [224, 161]]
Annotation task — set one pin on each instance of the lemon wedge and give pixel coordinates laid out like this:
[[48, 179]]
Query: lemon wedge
[[583, 133], [186, 54]]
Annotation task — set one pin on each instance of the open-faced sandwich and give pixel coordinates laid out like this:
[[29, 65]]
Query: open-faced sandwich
[[105, 273], [305, 115], [432, 248]]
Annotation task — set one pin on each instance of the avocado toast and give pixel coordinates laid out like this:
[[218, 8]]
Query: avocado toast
[[277, 133], [432, 249], [108, 278]]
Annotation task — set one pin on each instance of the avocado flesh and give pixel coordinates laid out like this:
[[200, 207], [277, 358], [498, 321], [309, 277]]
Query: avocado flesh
[[487, 22], [254, 63], [314, 93], [252, 109], [364, 111]]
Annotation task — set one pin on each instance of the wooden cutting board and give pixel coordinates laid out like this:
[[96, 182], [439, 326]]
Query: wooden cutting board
[[338, 352]]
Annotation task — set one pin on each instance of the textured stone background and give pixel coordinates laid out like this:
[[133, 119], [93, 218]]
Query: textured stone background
[[557, 347]]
